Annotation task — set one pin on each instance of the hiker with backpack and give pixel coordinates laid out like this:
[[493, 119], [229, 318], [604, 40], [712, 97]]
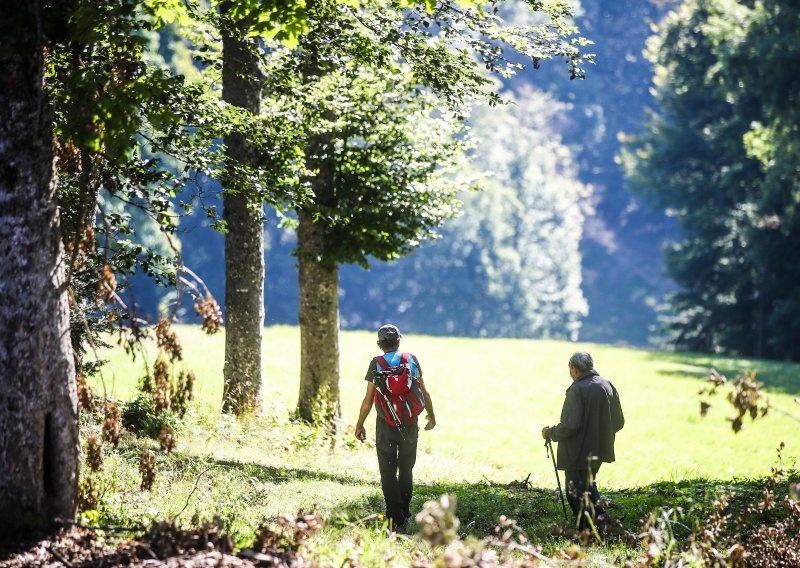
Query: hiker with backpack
[[396, 389]]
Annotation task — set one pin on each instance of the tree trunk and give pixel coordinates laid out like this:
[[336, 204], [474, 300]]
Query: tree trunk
[[318, 275], [760, 320], [319, 293], [319, 326], [242, 81], [39, 443]]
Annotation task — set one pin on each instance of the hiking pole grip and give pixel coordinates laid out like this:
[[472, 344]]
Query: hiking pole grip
[[549, 446]]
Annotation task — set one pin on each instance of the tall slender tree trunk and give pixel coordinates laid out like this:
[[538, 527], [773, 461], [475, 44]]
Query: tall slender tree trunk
[[760, 319], [242, 81], [319, 326], [319, 293], [39, 443]]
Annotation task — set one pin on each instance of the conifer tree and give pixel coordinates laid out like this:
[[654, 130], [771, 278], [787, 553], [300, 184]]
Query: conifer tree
[[721, 156]]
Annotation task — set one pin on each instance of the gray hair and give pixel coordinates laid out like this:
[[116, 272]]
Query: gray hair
[[582, 361]]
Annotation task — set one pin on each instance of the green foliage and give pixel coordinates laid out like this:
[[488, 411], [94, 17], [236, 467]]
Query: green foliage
[[509, 264], [113, 113], [757, 70], [621, 267], [393, 151], [133, 137], [448, 44], [273, 19], [699, 160], [139, 125], [390, 141], [140, 417]]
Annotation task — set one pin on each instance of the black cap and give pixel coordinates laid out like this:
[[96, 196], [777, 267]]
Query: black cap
[[389, 332]]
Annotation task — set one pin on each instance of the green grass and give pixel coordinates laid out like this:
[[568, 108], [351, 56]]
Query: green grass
[[492, 397]]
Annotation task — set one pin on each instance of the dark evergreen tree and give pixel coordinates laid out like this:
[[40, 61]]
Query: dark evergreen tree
[[761, 63], [698, 160]]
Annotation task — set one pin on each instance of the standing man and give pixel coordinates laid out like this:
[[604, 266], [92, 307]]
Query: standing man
[[397, 451], [590, 419]]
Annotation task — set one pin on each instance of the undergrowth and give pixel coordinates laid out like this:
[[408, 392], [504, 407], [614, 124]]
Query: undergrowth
[[243, 475], [164, 461]]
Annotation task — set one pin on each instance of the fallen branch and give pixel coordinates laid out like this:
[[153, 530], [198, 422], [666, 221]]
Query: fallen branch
[[109, 528], [60, 558]]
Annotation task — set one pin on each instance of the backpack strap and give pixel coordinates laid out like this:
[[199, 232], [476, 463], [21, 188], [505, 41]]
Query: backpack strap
[[412, 368], [383, 365]]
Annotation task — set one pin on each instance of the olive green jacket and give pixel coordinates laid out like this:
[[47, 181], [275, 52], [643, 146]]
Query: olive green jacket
[[590, 419]]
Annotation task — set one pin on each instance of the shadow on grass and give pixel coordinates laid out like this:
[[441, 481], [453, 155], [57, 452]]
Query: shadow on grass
[[280, 475], [777, 376], [479, 504], [538, 511], [191, 464]]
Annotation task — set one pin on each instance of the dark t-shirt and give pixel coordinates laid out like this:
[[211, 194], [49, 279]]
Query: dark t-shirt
[[392, 358]]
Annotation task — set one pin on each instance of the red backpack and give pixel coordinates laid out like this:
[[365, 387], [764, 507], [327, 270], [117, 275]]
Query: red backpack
[[397, 392]]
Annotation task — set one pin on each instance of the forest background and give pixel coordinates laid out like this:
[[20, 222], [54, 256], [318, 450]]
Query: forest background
[[556, 247]]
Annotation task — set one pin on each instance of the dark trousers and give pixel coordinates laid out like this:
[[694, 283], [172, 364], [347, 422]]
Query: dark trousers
[[578, 489], [396, 458]]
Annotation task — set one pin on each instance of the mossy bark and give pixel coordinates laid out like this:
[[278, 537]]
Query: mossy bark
[[319, 326], [318, 271], [242, 81], [39, 442]]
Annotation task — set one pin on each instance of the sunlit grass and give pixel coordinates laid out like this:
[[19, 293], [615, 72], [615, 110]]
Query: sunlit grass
[[492, 398]]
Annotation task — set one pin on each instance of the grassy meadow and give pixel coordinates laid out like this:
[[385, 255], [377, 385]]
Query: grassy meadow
[[492, 397]]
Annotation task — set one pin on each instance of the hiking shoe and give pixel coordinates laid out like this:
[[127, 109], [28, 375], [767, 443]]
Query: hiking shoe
[[398, 525]]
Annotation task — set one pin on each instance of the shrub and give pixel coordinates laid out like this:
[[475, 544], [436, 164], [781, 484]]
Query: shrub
[[140, 417]]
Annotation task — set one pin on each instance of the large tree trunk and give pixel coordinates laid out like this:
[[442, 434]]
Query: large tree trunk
[[318, 274], [319, 326], [39, 444], [319, 295], [242, 81]]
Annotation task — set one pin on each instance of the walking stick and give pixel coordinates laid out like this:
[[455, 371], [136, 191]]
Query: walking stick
[[549, 445], [400, 426]]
